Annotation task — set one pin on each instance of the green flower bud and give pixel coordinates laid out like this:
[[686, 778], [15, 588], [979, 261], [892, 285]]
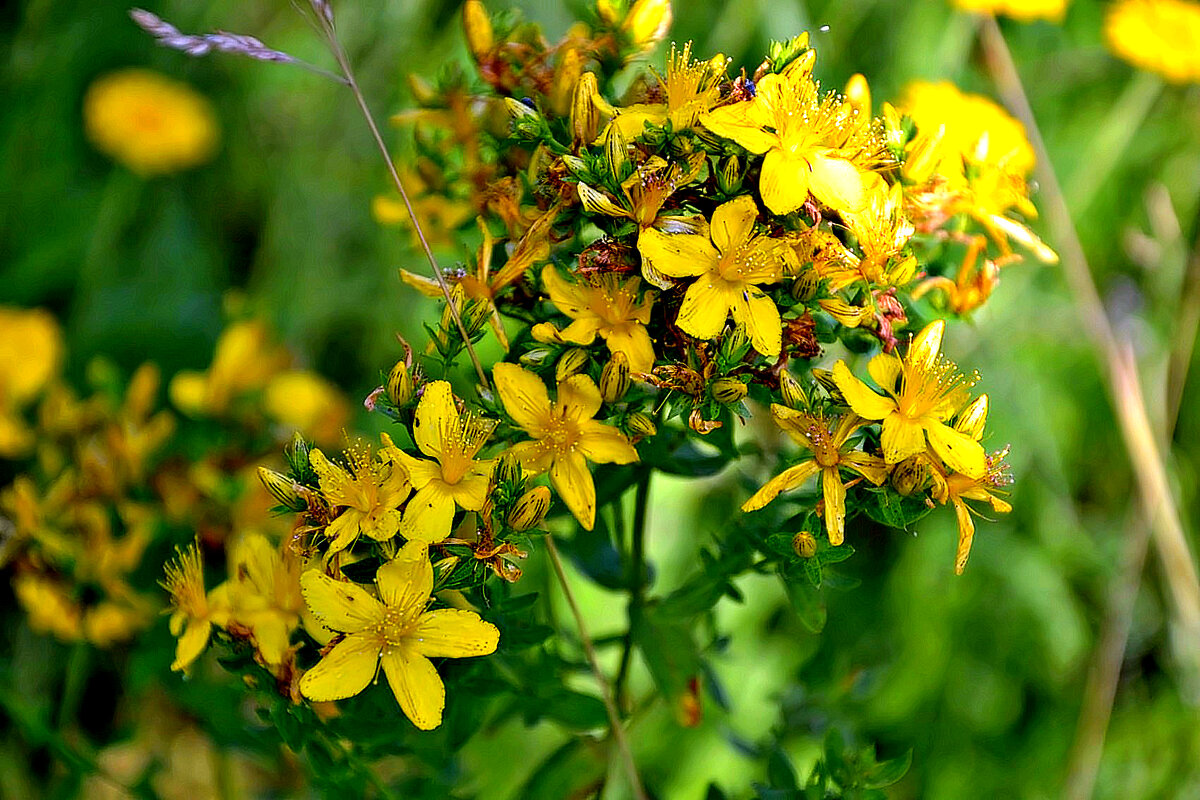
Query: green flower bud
[[615, 380], [572, 362], [805, 544], [530, 509], [283, 489], [728, 390], [400, 385], [640, 425], [792, 391]]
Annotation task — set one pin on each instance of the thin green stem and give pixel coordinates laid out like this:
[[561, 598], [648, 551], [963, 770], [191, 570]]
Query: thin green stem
[[637, 580], [606, 694]]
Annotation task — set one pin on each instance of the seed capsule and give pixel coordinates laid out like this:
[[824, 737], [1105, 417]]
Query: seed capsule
[[572, 362], [615, 380], [530, 509], [400, 385], [805, 544]]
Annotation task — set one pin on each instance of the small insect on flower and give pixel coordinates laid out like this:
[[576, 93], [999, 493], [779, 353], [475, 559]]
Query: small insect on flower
[[150, 123], [395, 632]]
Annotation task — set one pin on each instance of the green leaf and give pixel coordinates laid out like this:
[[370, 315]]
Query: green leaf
[[835, 758], [834, 555], [885, 773], [780, 773], [808, 604], [669, 650], [812, 571], [895, 511]]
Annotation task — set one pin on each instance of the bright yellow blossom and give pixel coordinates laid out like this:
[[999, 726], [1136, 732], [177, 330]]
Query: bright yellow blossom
[[264, 594], [826, 440], [456, 477], [395, 632], [1161, 36], [565, 435], [31, 352], [604, 306], [729, 264], [150, 123], [689, 89], [796, 132], [923, 391], [1023, 10], [370, 492], [193, 612]]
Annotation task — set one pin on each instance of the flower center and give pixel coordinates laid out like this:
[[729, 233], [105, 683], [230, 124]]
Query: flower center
[[395, 626], [561, 436]]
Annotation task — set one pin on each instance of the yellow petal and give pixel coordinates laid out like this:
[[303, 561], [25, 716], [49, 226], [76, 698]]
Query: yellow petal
[[790, 478], [966, 535], [784, 182], [960, 452], [426, 286], [761, 317], [569, 298], [579, 398], [923, 352], [901, 438], [405, 582], [835, 504], [836, 183], [733, 223], [604, 444], [453, 633], [680, 255], [429, 514], [524, 396], [862, 399], [272, 635], [345, 670], [581, 331], [706, 306], [634, 341], [534, 456], [733, 122], [342, 532], [339, 605], [420, 471], [885, 370], [436, 421], [417, 686], [573, 482], [870, 467], [191, 644], [188, 390]]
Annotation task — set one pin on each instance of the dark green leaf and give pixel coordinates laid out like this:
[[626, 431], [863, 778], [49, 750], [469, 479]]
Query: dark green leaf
[[885, 773]]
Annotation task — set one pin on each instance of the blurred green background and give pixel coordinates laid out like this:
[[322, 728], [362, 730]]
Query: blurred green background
[[983, 675]]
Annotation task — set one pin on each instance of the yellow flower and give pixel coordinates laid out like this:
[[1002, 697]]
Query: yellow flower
[[395, 632], [264, 594], [1023, 10], [565, 434], [647, 22], [689, 89], [882, 230], [1162, 36], [440, 216], [923, 391], [31, 352], [246, 358], [957, 488], [370, 491], [193, 613], [729, 263], [51, 610], [455, 477], [800, 137], [150, 123], [308, 403], [826, 440], [604, 306]]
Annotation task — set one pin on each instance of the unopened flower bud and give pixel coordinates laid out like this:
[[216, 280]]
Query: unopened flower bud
[[910, 475], [792, 391], [729, 176], [530, 509], [640, 425], [805, 287], [296, 452], [615, 380], [647, 22], [572, 362], [400, 385], [282, 488], [858, 94], [736, 344], [519, 110], [508, 471], [825, 378], [972, 418], [849, 315], [585, 114], [478, 27], [923, 352], [728, 390], [537, 356], [805, 544]]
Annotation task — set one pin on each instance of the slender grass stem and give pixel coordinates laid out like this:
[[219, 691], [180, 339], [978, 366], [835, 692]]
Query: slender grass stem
[[606, 694], [637, 578]]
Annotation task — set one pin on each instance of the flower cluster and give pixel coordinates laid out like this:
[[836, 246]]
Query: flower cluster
[[1158, 35]]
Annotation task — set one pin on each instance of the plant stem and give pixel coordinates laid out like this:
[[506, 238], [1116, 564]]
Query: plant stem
[[637, 579], [339, 54], [614, 716]]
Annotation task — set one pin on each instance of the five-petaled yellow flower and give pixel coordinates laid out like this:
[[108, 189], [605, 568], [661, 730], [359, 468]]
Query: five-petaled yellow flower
[[783, 121], [371, 491], [565, 434], [193, 613], [395, 632], [826, 440], [729, 264], [455, 477], [607, 307], [923, 391]]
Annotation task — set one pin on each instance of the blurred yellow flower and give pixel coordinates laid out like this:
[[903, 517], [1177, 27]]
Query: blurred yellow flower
[[395, 632], [455, 477], [150, 123], [264, 594], [370, 491], [31, 354], [307, 402], [729, 263], [565, 434], [193, 611], [51, 610], [606, 307], [1023, 10], [246, 359], [923, 391], [1161, 36], [826, 441]]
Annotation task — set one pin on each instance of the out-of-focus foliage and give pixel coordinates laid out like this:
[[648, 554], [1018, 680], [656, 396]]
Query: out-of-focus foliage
[[980, 676]]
